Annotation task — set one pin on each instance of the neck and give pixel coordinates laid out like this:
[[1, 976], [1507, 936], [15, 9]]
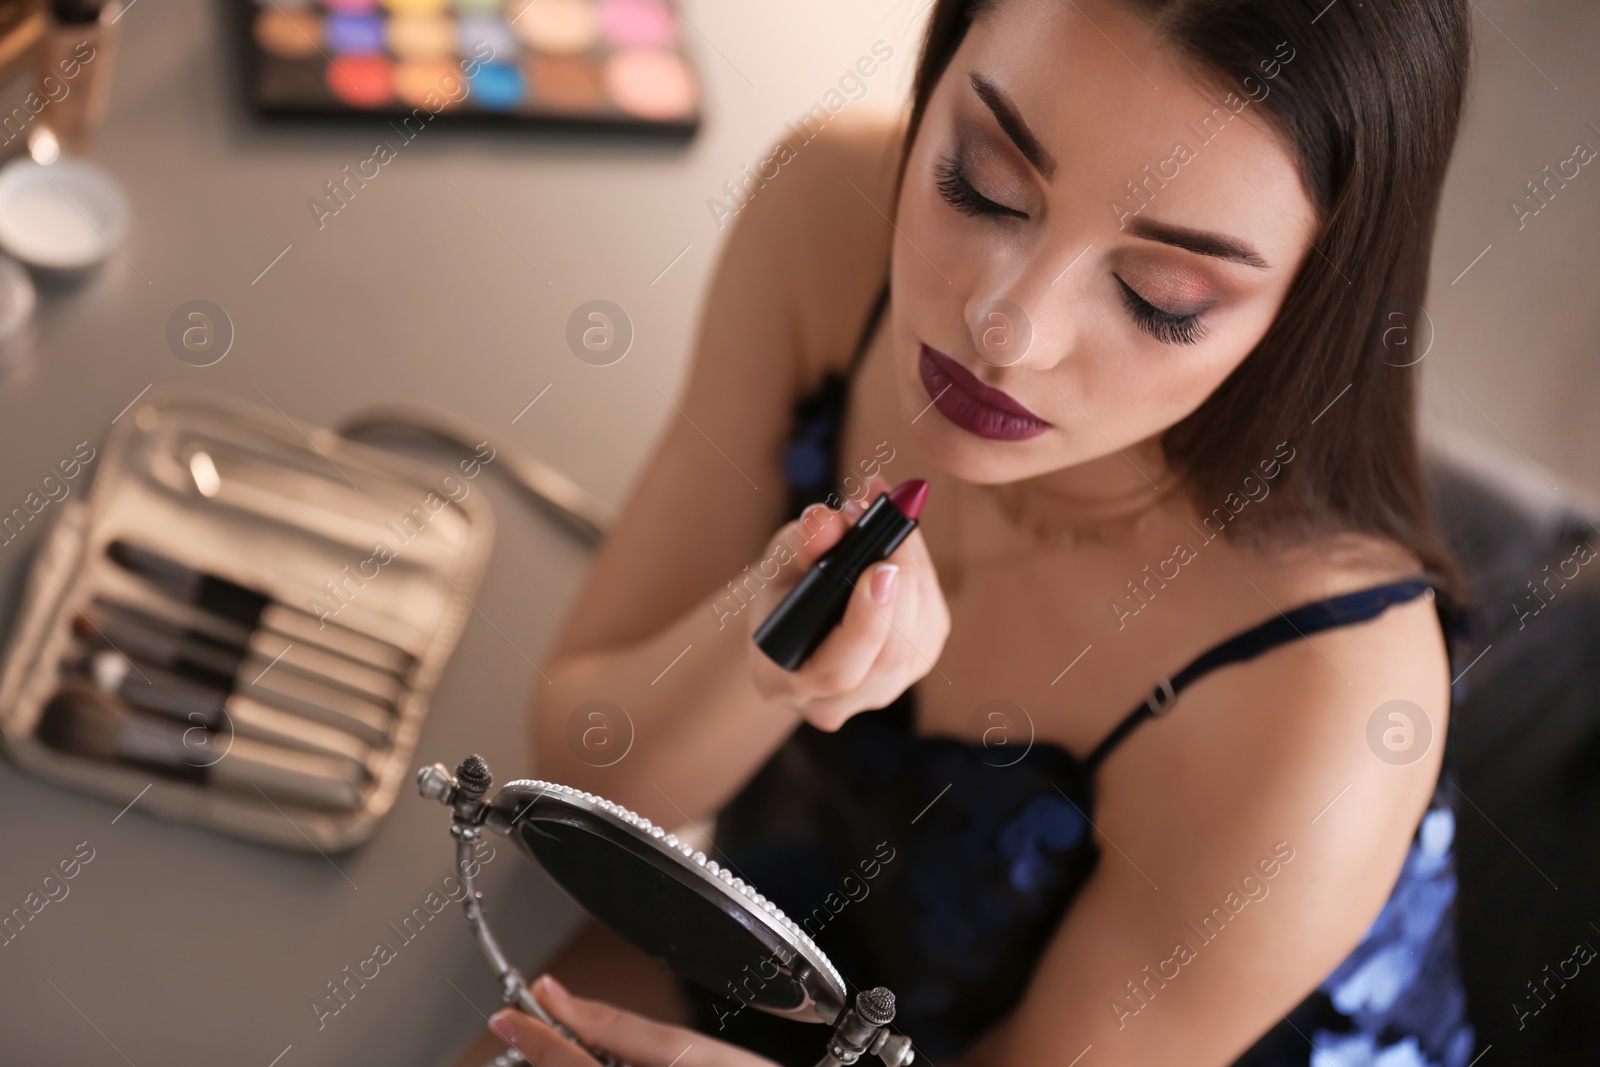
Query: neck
[[1123, 478]]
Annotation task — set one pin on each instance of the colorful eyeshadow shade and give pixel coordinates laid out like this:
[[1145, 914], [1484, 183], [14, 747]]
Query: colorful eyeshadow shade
[[614, 65], [498, 87], [638, 23], [421, 36], [416, 7], [555, 26], [650, 83], [435, 84], [354, 34], [292, 33], [361, 81], [475, 31], [566, 82]]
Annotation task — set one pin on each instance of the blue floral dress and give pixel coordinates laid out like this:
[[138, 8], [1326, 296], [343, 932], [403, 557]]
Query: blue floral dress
[[941, 867]]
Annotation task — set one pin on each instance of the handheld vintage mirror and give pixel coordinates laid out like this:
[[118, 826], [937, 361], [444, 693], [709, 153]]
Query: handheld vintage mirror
[[667, 899]]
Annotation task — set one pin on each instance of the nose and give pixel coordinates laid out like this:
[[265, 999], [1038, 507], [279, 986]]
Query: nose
[[1022, 315]]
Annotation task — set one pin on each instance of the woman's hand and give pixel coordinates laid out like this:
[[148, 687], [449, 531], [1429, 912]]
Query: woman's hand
[[630, 1038], [892, 631]]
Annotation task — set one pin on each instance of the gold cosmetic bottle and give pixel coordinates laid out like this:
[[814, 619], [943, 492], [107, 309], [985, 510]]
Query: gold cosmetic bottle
[[74, 70]]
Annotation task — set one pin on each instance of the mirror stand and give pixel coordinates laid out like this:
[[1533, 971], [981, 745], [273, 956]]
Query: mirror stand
[[859, 1030], [463, 793]]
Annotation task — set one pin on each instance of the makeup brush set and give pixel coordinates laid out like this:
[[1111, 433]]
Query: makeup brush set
[[242, 623]]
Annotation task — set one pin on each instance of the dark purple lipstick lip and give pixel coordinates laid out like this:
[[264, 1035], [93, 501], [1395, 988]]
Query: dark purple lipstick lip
[[972, 405]]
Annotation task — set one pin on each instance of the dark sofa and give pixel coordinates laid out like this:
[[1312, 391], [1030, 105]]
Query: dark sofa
[[1527, 731]]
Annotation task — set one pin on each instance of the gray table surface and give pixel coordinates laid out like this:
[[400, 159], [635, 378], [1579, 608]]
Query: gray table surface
[[448, 281]]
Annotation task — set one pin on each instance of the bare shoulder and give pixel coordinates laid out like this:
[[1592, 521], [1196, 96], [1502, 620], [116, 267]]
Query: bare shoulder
[[1264, 771], [1333, 739], [834, 185], [1302, 708]]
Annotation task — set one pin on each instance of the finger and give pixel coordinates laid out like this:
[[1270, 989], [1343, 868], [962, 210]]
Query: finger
[[844, 657], [912, 553], [794, 548], [917, 563], [899, 655], [818, 529], [539, 1044], [627, 1036], [895, 667]]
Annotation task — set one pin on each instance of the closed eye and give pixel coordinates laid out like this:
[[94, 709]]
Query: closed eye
[[959, 192], [1165, 326]]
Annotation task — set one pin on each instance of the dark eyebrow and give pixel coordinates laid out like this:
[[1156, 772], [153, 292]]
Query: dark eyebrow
[[1198, 241], [1005, 113]]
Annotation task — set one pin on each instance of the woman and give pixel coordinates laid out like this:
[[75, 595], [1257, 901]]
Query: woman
[[1129, 321]]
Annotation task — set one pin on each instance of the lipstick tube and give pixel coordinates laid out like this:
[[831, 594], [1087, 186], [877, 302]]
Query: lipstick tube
[[804, 618]]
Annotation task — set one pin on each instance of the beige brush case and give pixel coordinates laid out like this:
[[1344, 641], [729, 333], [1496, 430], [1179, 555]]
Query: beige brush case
[[345, 535]]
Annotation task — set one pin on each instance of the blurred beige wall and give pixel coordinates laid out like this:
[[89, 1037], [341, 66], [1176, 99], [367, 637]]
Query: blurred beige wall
[[1515, 355]]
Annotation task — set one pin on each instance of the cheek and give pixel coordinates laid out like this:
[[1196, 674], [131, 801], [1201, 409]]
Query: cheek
[[1117, 387], [1127, 389]]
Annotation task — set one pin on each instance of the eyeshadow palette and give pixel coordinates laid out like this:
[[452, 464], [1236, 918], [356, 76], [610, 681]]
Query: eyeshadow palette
[[598, 64]]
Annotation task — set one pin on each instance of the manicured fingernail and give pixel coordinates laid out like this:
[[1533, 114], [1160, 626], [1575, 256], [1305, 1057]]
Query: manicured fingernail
[[884, 579], [555, 988], [503, 1026]]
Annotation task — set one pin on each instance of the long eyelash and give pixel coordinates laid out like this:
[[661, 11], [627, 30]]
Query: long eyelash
[[1162, 325], [960, 193]]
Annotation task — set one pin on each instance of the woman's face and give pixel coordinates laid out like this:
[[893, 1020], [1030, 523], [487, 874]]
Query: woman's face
[[1089, 228]]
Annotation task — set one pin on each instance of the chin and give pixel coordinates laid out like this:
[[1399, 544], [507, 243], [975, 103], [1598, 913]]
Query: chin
[[977, 459], [985, 462]]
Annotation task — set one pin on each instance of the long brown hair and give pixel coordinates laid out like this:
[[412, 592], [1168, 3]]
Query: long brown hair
[[1370, 103]]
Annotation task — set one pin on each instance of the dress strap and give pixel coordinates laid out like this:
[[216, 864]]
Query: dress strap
[[1343, 610], [811, 457]]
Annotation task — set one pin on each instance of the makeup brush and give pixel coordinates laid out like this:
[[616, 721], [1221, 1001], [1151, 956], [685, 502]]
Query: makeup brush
[[82, 721], [256, 609], [153, 689], [307, 697], [260, 650]]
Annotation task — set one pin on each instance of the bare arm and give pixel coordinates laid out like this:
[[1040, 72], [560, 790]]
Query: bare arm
[[1224, 804], [1227, 786], [655, 629]]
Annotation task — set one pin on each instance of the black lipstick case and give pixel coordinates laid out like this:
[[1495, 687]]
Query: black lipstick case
[[811, 610]]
